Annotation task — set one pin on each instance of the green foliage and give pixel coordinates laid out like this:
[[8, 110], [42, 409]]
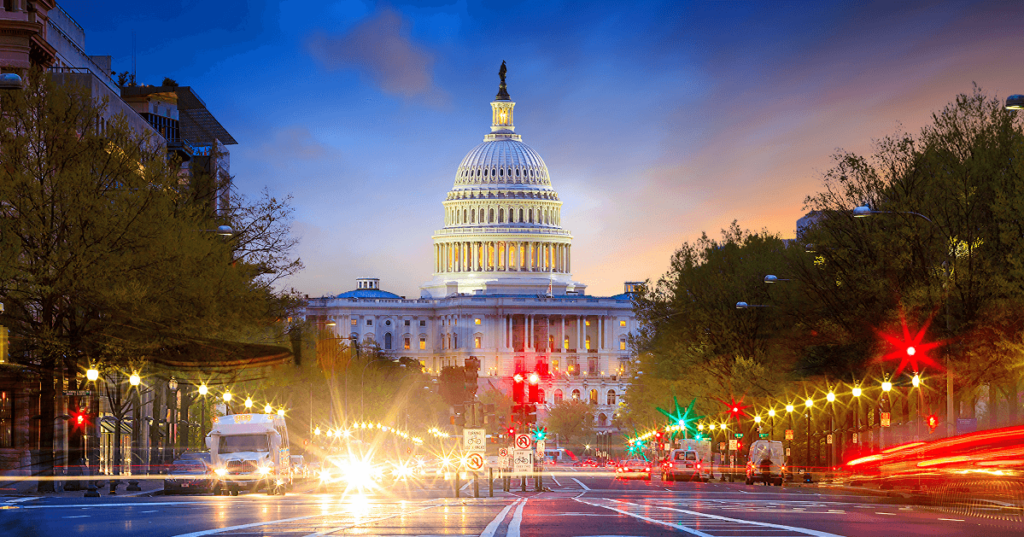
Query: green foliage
[[572, 421]]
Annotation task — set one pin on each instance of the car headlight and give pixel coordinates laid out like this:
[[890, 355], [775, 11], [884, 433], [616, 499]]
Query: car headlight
[[263, 470], [325, 475], [221, 472]]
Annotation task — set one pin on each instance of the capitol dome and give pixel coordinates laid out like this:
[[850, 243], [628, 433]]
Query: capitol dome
[[502, 227]]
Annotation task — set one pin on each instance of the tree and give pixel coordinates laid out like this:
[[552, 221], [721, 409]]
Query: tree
[[103, 258], [572, 421]]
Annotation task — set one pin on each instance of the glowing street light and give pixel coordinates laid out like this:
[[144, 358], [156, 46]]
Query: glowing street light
[[280, 412], [886, 386], [857, 391], [809, 402], [831, 397], [771, 412], [757, 419], [916, 381], [248, 403], [790, 407], [227, 397], [316, 432], [135, 379], [203, 390], [92, 374], [268, 409]]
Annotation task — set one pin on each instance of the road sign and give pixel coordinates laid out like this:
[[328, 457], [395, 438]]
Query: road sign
[[828, 439], [523, 441], [522, 461], [789, 434], [503, 452], [721, 446], [540, 448], [474, 439], [739, 435], [475, 461], [885, 419], [732, 444], [787, 452], [763, 435], [856, 438]]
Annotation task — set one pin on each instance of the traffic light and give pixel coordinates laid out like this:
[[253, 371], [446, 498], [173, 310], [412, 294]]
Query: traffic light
[[531, 414], [79, 419], [511, 432], [540, 434], [534, 380], [518, 389], [933, 422], [657, 436]]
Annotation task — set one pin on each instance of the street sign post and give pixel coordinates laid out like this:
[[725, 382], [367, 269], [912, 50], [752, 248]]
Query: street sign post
[[885, 419], [828, 439], [523, 441], [474, 440], [856, 438], [540, 449], [504, 461], [732, 444], [522, 461], [789, 434]]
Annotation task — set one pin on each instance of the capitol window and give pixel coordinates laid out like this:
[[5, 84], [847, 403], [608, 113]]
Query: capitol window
[[558, 396], [369, 322], [476, 342], [476, 321], [622, 344], [622, 324], [354, 321], [423, 323], [406, 346], [611, 397], [423, 343], [575, 395]]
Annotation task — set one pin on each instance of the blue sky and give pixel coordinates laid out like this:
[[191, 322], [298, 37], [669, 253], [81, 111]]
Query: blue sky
[[657, 121]]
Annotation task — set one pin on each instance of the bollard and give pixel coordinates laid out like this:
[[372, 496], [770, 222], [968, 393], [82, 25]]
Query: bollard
[[476, 485], [490, 483], [456, 481], [522, 479]]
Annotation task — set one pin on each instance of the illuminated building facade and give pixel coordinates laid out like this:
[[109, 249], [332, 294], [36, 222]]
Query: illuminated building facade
[[502, 290]]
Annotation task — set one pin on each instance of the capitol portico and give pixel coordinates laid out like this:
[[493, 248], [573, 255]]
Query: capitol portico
[[502, 290]]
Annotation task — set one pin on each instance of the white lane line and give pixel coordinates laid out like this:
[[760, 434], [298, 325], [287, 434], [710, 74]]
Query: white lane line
[[951, 519], [556, 480], [144, 512], [580, 483], [652, 520], [371, 521], [804, 531], [517, 520], [496, 523], [19, 500], [884, 513], [77, 516]]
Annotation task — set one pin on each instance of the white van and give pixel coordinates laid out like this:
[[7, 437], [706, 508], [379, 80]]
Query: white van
[[766, 463], [250, 451]]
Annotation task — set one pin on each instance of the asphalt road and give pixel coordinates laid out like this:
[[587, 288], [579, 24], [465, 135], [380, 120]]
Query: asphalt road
[[579, 503]]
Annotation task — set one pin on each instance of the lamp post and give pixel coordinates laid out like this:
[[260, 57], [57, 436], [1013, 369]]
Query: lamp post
[[884, 407], [771, 430], [172, 385], [134, 380], [1014, 102], [831, 398], [809, 403], [856, 418], [203, 390], [227, 403], [93, 375]]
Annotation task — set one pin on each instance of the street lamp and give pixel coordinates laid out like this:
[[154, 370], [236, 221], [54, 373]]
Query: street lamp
[[809, 403], [203, 390], [248, 404], [267, 409], [1015, 102], [856, 416], [172, 385], [10, 81], [227, 402]]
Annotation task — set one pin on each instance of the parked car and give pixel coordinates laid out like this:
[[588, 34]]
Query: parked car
[[766, 462], [634, 468], [683, 464], [188, 476], [299, 468]]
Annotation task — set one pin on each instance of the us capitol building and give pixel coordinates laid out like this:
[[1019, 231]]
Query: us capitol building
[[502, 289]]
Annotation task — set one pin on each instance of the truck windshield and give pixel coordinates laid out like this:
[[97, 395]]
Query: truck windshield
[[243, 442]]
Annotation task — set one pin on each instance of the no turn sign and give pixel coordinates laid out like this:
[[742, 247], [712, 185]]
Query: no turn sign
[[475, 461], [523, 441], [503, 452]]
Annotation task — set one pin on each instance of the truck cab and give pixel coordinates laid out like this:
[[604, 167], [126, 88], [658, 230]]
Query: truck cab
[[250, 451]]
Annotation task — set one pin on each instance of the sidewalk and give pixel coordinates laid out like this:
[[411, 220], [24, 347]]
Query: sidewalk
[[19, 486]]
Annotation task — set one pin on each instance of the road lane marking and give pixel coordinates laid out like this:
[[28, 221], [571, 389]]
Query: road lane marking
[[580, 483], [19, 500], [58, 506], [496, 523], [805, 531], [652, 520], [517, 520], [556, 480], [371, 521], [951, 519], [257, 524], [883, 513], [77, 516]]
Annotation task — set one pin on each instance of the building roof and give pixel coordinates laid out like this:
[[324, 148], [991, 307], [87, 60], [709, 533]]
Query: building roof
[[367, 293], [197, 123]]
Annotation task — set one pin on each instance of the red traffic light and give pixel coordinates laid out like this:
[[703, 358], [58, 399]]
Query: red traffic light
[[534, 378], [933, 422], [735, 409], [79, 419], [517, 378], [511, 431]]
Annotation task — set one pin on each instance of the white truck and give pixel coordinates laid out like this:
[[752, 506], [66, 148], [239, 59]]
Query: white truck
[[250, 451]]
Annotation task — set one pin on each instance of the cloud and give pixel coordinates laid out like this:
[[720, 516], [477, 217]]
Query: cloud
[[380, 48]]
